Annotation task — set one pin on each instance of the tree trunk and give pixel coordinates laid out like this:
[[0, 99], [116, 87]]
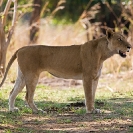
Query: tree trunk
[[35, 21], [3, 49], [5, 41]]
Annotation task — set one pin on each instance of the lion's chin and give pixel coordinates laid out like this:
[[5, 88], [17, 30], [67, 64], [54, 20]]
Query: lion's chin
[[122, 54]]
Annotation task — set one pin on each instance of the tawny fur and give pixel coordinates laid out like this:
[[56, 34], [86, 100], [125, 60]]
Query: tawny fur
[[82, 62]]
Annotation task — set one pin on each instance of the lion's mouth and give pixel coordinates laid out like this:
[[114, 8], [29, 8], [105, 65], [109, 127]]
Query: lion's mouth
[[122, 54]]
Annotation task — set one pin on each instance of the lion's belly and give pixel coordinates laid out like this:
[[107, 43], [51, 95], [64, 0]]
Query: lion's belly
[[66, 75]]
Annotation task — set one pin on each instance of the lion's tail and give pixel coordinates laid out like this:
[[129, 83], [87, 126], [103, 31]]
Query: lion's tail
[[8, 67]]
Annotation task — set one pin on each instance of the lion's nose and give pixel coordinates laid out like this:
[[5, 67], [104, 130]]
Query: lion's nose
[[128, 48]]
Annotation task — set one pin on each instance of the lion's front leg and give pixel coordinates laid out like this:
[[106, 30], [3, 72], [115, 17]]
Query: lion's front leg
[[94, 86], [90, 86], [88, 90]]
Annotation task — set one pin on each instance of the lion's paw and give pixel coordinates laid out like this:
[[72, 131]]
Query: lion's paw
[[94, 111], [42, 111], [15, 109], [39, 111]]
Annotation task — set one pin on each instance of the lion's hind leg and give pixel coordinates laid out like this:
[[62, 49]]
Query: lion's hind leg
[[19, 85], [31, 81]]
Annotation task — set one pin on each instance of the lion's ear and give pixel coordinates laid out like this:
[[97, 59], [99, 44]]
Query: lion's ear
[[109, 33]]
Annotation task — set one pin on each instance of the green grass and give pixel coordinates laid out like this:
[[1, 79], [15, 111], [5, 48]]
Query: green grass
[[56, 102]]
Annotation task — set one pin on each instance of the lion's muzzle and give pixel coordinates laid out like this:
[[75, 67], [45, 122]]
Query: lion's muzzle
[[122, 53], [128, 49]]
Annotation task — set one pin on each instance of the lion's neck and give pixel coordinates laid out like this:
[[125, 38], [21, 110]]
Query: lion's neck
[[103, 47]]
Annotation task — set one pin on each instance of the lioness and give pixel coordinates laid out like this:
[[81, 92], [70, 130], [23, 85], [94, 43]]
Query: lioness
[[82, 62]]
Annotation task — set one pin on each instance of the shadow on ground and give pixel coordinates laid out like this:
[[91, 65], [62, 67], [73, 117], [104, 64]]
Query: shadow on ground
[[116, 117]]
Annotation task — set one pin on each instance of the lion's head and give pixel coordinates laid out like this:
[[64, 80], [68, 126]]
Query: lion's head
[[117, 43]]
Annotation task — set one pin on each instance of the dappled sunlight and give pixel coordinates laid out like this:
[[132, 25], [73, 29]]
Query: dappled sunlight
[[63, 100], [66, 113]]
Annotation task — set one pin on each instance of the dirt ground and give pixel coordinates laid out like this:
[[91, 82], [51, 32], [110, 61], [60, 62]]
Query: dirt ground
[[71, 123], [66, 120]]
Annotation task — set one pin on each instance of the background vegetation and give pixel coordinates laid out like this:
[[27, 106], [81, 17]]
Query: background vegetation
[[69, 22]]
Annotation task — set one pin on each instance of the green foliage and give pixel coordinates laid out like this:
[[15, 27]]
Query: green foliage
[[74, 8]]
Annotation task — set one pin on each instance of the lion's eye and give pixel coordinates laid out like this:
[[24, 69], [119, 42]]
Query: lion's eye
[[119, 39]]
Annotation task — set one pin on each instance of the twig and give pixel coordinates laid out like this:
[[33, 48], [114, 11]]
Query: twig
[[44, 8], [6, 12], [25, 6], [1, 1], [13, 23], [84, 12], [111, 10], [58, 7]]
